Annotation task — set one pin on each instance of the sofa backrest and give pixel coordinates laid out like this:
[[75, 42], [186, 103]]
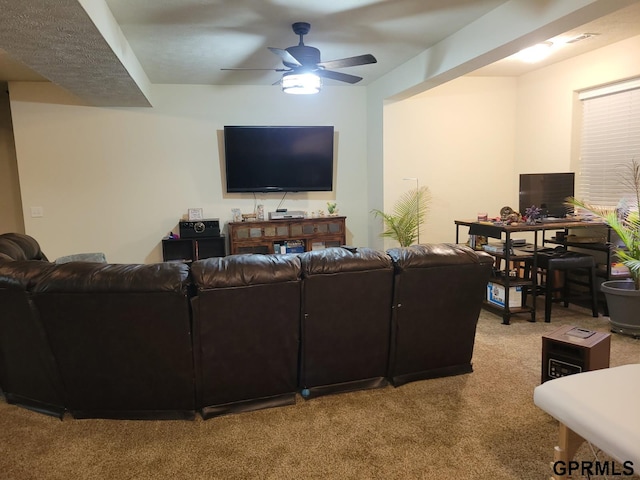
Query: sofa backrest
[[245, 270], [246, 331], [346, 316], [18, 246], [28, 372], [224, 334], [121, 336], [438, 293]]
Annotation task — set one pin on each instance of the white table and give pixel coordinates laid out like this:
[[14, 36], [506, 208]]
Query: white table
[[599, 406]]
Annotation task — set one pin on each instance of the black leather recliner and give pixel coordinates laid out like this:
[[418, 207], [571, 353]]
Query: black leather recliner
[[121, 336], [439, 290], [134, 341], [28, 372], [246, 332], [345, 323]]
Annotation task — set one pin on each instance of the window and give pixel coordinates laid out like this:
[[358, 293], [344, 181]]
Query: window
[[610, 140]]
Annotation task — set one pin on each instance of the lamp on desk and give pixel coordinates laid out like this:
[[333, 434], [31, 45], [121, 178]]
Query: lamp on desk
[[415, 179]]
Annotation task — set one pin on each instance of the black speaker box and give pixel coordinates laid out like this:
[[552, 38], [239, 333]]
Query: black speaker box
[[200, 228]]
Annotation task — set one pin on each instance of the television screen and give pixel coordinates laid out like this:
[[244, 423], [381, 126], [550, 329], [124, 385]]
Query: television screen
[[278, 159], [547, 191]]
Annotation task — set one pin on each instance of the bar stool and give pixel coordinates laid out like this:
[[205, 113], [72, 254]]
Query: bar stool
[[565, 261]]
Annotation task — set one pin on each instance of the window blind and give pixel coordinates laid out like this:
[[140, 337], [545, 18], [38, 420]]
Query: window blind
[[610, 141]]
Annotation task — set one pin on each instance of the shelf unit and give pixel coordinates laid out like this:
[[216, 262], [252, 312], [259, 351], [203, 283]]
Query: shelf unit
[[501, 276], [605, 246], [509, 257], [602, 250], [190, 249], [512, 262], [302, 234]]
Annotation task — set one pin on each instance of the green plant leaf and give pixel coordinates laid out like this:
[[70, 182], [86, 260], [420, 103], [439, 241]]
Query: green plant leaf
[[407, 216], [625, 224]]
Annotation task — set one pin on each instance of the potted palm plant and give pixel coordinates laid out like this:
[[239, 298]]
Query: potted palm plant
[[408, 214], [623, 296]]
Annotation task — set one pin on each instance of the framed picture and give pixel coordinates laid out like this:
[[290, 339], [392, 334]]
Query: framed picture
[[195, 214]]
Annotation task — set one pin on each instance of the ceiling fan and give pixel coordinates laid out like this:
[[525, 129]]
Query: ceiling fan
[[303, 59]]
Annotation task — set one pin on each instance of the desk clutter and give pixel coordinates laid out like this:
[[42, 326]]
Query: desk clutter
[[578, 251]]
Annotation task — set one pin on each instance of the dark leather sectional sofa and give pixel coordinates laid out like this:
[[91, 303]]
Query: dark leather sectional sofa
[[230, 334]]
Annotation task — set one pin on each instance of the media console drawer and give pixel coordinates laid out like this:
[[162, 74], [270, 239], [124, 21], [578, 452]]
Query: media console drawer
[[270, 236]]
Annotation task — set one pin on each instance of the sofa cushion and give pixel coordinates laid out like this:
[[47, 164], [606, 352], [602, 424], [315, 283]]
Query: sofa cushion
[[11, 250], [23, 274], [104, 277], [98, 257], [19, 246], [436, 255], [242, 270], [337, 260]]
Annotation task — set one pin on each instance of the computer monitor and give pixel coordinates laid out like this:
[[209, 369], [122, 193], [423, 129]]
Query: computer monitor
[[547, 191]]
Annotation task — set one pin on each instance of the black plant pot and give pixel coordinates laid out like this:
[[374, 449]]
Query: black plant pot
[[623, 301]]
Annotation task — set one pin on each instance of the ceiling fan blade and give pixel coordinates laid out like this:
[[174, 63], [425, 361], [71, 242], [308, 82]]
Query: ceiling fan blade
[[342, 77], [258, 69], [285, 56], [349, 62]]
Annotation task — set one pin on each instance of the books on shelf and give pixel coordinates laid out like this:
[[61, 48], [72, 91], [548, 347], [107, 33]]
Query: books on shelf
[[317, 246], [517, 242], [493, 247], [618, 268], [289, 246], [498, 247]]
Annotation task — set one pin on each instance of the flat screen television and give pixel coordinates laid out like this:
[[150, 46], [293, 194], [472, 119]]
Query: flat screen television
[[278, 158], [546, 191]]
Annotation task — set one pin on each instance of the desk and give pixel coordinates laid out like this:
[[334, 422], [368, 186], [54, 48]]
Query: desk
[[497, 230]]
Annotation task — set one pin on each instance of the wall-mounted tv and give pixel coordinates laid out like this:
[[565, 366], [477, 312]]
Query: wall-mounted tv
[[547, 191], [278, 158]]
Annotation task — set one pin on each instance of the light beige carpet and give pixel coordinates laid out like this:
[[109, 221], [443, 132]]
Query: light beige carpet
[[477, 426]]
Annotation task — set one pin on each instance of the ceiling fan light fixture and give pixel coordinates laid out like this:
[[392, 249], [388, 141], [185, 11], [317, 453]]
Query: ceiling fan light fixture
[[301, 83]]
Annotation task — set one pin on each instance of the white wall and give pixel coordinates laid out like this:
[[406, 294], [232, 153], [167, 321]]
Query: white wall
[[505, 30], [458, 139], [548, 109], [119, 179], [470, 139]]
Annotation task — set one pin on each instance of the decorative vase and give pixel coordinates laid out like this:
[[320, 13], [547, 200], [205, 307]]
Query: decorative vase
[[623, 301]]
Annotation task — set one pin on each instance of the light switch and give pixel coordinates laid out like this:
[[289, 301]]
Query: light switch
[[37, 212]]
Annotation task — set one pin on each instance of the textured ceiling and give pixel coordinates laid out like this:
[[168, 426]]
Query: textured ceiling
[[59, 41], [612, 28], [190, 41]]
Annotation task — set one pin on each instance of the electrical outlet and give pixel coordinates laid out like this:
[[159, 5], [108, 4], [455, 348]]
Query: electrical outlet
[[37, 212]]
